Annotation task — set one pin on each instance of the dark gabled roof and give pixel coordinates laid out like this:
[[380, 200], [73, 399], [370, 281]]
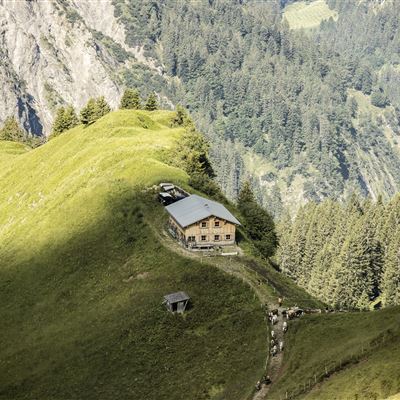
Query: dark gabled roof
[[176, 297], [195, 208]]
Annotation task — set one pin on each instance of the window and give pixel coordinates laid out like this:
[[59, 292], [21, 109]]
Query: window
[[191, 238], [204, 224], [216, 224], [216, 238], [203, 238], [228, 237]]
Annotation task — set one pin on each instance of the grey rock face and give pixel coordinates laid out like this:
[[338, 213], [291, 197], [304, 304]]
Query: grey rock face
[[49, 56]]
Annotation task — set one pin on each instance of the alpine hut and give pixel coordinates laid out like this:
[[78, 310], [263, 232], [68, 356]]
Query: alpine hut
[[201, 223]]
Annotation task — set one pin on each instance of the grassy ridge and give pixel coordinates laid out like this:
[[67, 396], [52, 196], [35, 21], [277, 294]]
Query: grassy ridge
[[82, 278], [363, 347]]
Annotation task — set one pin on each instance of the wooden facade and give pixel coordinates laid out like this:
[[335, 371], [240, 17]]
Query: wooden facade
[[208, 232]]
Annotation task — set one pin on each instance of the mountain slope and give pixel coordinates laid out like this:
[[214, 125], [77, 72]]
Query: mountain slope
[[82, 276], [281, 105], [342, 356]]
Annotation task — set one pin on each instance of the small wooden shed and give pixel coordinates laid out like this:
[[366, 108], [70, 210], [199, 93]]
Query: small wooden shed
[[176, 302]]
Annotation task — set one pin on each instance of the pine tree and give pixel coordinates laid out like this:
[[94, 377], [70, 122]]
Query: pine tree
[[151, 102], [246, 195], [89, 112], [71, 119], [12, 131], [257, 221], [102, 107], [59, 122], [130, 100], [181, 117], [391, 276], [65, 119]]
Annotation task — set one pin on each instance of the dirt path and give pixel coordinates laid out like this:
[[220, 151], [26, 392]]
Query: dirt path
[[274, 363]]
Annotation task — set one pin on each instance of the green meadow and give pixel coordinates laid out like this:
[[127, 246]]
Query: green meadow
[[82, 276], [359, 351], [308, 14]]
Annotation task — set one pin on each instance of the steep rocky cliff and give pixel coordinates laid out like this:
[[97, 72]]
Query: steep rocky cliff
[[59, 52]]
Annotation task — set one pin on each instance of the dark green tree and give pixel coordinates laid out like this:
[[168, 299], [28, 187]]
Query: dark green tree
[[258, 222], [181, 117], [151, 102], [131, 99], [65, 119], [12, 131], [391, 277], [89, 113], [192, 153], [102, 107]]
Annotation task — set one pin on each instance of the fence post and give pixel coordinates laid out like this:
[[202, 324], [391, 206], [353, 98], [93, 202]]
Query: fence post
[[315, 378], [326, 370], [286, 394]]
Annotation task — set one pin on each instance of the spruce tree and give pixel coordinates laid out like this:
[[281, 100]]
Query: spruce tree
[[102, 107], [257, 221], [130, 99], [89, 113], [12, 131], [59, 122], [151, 102], [181, 117], [71, 119], [65, 119], [391, 276]]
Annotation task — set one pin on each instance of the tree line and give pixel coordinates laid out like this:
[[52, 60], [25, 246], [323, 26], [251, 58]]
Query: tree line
[[67, 118], [346, 254]]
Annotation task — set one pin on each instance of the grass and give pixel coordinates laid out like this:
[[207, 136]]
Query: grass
[[308, 15], [364, 349], [8, 150], [82, 276], [83, 273]]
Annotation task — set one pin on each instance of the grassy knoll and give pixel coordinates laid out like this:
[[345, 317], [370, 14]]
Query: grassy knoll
[[82, 276], [306, 15], [363, 348]]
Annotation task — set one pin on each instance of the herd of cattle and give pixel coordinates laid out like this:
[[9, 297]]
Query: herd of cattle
[[276, 344], [288, 314]]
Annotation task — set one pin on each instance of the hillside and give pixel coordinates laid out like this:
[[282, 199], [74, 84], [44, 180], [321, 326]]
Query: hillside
[[357, 358], [85, 263], [83, 275]]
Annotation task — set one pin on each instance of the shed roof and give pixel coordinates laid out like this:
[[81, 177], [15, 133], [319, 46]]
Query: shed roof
[[176, 297], [167, 186], [195, 208]]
